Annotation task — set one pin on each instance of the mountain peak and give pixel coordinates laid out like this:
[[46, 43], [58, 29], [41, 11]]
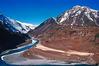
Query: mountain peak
[[50, 20], [78, 6], [79, 16], [83, 8]]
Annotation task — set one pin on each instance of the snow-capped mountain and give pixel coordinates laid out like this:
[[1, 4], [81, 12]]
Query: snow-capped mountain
[[75, 30], [14, 25], [12, 33], [79, 16], [26, 26]]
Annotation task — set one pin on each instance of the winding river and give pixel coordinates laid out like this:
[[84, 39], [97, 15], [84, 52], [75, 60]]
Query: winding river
[[4, 55], [13, 57]]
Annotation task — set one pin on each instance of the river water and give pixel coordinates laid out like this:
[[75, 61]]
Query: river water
[[17, 50]]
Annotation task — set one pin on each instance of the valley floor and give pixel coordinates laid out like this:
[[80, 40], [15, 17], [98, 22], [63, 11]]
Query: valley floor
[[64, 52]]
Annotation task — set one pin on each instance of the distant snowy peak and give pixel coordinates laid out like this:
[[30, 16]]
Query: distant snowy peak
[[27, 26], [23, 27], [14, 25], [79, 15]]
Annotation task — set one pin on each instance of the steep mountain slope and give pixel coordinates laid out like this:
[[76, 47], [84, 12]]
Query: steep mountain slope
[[44, 27], [74, 38], [12, 33]]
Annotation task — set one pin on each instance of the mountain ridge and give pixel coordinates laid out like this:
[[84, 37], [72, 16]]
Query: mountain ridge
[[78, 16]]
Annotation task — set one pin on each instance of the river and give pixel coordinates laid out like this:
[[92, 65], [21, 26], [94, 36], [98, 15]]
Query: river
[[13, 58], [19, 50]]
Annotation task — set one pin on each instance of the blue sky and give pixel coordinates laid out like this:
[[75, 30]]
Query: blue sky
[[36, 11]]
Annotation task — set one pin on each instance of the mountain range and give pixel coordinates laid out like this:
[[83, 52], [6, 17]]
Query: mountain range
[[78, 16], [72, 36]]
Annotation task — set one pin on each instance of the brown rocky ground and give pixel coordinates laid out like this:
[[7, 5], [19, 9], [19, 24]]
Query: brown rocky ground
[[68, 44]]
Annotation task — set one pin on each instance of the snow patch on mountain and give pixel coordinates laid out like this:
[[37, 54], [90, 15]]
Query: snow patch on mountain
[[27, 26], [22, 27], [31, 26]]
